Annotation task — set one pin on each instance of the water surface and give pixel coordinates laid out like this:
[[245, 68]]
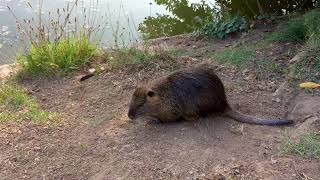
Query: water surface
[[126, 13]]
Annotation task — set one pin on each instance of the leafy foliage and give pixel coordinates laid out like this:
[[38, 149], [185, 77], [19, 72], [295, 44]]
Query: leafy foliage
[[252, 8], [163, 26], [187, 17], [223, 27]]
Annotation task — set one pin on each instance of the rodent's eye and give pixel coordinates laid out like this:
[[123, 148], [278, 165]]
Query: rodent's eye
[[150, 93]]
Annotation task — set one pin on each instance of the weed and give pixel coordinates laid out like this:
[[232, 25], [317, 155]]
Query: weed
[[293, 31], [182, 52], [310, 91], [50, 58], [83, 147], [237, 56], [16, 105], [309, 67], [58, 42], [135, 59], [311, 21], [308, 145], [268, 66], [120, 58]]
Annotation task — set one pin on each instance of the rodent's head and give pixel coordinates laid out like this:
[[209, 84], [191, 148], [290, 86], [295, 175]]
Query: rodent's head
[[144, 102]]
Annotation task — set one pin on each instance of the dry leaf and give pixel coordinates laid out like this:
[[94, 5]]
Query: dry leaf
[[309, 85]]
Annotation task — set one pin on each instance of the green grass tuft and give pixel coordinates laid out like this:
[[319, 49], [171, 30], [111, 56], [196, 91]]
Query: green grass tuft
[[308, 145], [16, 105], [52, 58], [298, 30], [311, 22], [293, 31], [269, 66], [309, 67], [182, 52], [238, 56], [120, 58]]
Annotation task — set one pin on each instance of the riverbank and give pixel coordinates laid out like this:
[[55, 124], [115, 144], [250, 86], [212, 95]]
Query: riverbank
[[94, 139]]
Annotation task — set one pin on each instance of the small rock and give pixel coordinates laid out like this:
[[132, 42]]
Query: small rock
[[273, 161], [92, 70], [245, 71], [278, 100], [36, 148], [250, 77], [282, 88], [5, 71]]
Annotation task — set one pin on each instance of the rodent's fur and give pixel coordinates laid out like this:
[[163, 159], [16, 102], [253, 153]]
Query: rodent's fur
[[188, 94]]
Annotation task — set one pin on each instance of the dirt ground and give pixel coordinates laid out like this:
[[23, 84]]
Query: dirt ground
[[97, 141]]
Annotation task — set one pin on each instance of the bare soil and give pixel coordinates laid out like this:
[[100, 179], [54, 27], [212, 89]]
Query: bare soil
[[95, 139]]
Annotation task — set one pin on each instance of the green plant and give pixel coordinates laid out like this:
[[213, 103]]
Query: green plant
[[223, 27], [182, 52], [237, 56], [268, 66], [293, 30], [308, 145], [311, 21], [309, 66], [186, 17], [298, 29], [50, 58], [124, 57], [16, 105], [136, 59], [60, 42], [83, 146]]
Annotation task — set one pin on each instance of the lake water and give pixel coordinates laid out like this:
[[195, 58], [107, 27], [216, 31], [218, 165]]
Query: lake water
[[128, 13]]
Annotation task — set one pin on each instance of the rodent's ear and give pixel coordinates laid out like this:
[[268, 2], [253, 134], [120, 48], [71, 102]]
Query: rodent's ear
[[150, 93]]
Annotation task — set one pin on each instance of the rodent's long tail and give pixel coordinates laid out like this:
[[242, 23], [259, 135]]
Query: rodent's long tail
[[254, 120]]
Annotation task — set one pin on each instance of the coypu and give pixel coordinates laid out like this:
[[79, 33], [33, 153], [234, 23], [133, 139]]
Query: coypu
[[188, 94]]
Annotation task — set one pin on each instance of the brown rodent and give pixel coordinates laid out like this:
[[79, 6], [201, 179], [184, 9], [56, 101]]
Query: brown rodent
[[188, 94]]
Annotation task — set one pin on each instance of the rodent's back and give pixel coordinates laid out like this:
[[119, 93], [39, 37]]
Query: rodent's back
[[193, 91]]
